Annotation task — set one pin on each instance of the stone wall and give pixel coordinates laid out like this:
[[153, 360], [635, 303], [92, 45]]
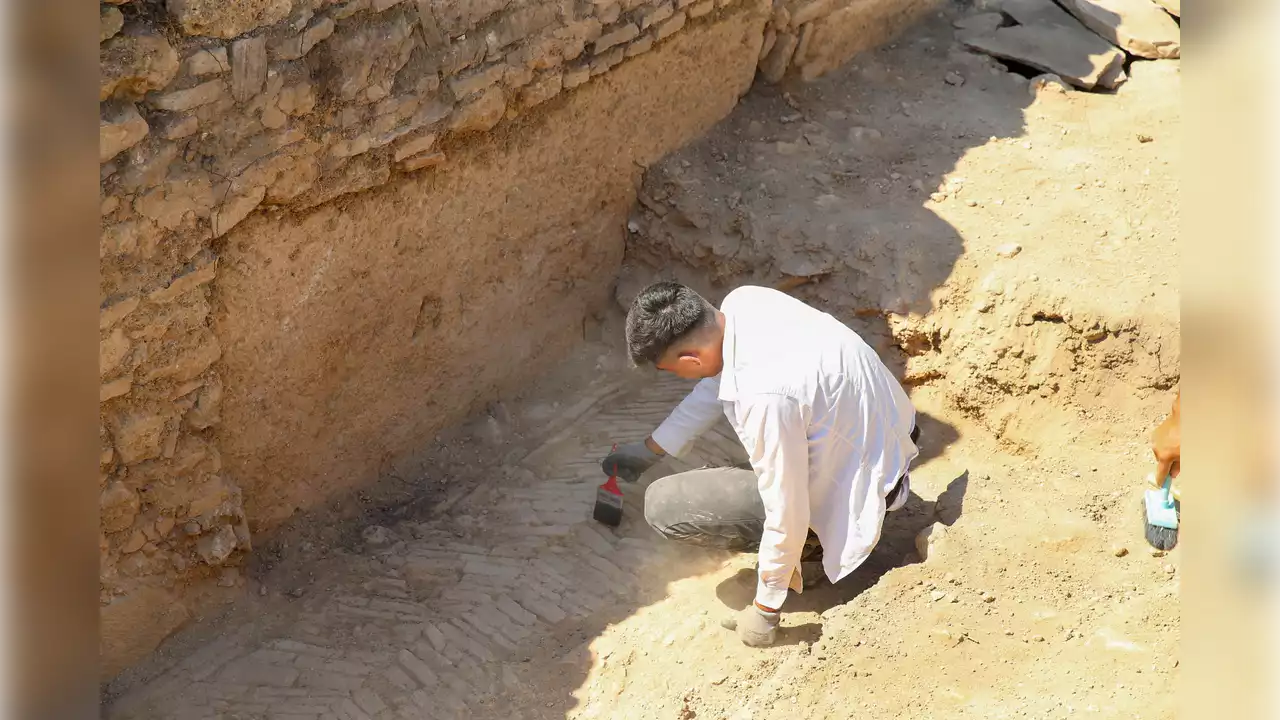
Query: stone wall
[[331, 228]]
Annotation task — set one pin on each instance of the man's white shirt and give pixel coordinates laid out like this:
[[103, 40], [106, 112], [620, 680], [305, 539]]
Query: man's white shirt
[[825, 423]]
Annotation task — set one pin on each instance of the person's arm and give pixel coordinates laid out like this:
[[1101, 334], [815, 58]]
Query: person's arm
[[1166, 443], [695, 415], [777, 441]]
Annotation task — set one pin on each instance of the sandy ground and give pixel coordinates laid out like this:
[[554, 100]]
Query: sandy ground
[[1039, 598]]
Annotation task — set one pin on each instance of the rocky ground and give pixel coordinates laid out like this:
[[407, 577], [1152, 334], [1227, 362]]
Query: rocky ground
[[1009, 249]]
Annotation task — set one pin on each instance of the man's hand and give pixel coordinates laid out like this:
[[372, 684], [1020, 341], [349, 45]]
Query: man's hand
[[1166, 443], [758, 627], [630, 461]]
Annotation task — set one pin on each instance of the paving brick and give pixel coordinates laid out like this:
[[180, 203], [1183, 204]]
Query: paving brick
[[418, 669], [513, 610], [540, 606], [397, 677], [329, 680], [434, 636], [348, 710], [247, 672], [464, 641], [345, 667], [369, 701]]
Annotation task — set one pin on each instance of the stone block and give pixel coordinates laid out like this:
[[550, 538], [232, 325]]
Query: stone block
[[514, 26], [177, 202], [601, 64], [120, 127], [189, 98], [110, 20], [640, 47], [1049, 39], [176, 127], [209, 61], [222, 19], [133, 64], [114, 389], [117, 507], [137, 434], [480, 114], [318, 31], [545, 87], [575, 76], [415, 145], [656, 14], [248, 67], [623, 34], [112, 350], [671, 26], [1139, 27], [235, 209], [469, 84]]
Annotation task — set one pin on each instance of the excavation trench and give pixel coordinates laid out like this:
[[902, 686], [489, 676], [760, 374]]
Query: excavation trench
[[990, 242]]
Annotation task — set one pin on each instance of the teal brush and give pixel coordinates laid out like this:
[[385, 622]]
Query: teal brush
[[1162, 510]]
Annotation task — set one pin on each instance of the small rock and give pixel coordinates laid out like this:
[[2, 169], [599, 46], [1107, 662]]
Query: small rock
[[937, 595], [376, 536], [953, 598], [1048, 83], [1037, 638], [1170, 569], [1008, 250], [917, 185], [1009, 633], [971, 203], [729, 623], [982, 22], [938, 196], [988, 597], [953, 78], [1157, 553], [1144, 138], [1120, 551]]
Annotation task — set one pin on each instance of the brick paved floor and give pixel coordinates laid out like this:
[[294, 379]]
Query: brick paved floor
[[433, 625]]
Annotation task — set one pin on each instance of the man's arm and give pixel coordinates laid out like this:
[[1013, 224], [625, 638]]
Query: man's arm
[[778, 444], [695, 415], [1166, 443]]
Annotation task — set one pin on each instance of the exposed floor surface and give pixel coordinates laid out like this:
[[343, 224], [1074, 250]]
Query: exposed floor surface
[[1039, 598]]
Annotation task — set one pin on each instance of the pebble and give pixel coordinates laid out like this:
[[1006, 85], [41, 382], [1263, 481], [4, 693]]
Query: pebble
[[988, 598], [938, 196], [971, 203], [376, 535], [953, 78], [1037, 638], [1157, 553], [1169, 568], [1120, 551], [1009, 250], [937, 595], [952, 598], [1009, 633]]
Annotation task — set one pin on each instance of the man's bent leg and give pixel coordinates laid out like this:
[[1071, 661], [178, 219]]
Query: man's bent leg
[[712, 507]]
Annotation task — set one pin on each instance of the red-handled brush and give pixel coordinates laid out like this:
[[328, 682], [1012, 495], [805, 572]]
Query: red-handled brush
[[608, 509]]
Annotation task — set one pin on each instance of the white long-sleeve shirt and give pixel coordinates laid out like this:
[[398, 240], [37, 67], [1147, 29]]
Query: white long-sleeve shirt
[[825, 423]]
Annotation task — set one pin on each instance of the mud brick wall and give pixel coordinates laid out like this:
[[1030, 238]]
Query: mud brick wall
[[331, 228]]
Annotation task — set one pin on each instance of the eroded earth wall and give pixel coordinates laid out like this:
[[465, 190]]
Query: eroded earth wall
[[331, 228]]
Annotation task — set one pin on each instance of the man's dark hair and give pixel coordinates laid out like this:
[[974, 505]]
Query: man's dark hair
[[662, 315]]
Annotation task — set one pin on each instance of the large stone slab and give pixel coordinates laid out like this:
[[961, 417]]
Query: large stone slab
[[1048, 38], [1139, 27], [1173, 7]]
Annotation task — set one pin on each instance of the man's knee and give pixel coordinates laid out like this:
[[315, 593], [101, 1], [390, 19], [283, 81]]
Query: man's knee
[[659, 504]]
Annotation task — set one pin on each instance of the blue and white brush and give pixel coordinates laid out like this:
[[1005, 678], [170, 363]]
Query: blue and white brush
[[1162, 509]]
